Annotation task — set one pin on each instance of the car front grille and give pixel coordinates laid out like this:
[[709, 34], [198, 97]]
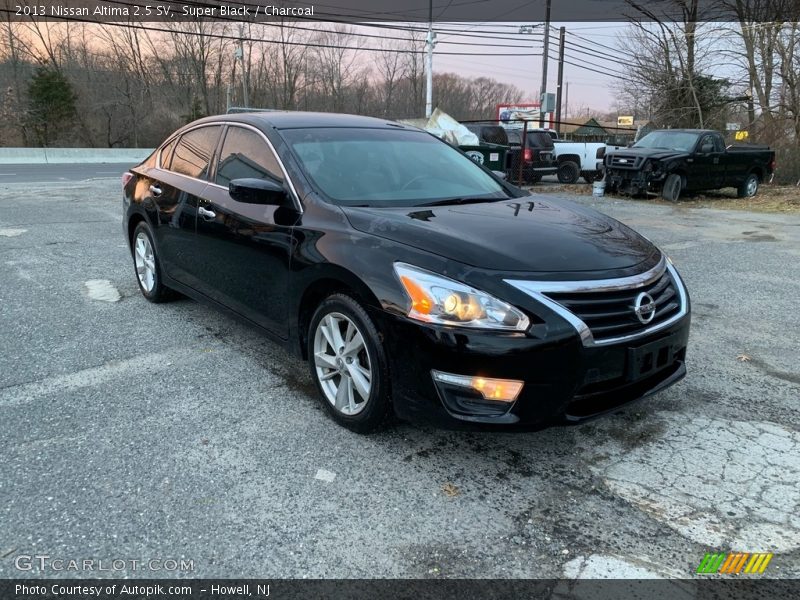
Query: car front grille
[[608, 311], [610, 314], [622, 161]]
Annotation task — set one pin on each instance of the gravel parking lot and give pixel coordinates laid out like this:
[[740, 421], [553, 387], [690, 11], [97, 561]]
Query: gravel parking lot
[[135, 431]]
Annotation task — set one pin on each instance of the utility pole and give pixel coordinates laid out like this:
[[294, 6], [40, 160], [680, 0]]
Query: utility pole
[[562, 34], [431, 41], [566, 101], [544, 63], [531, 29]]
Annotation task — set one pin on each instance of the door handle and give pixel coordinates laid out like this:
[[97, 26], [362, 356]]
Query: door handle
[[206, 214], [155, 190]]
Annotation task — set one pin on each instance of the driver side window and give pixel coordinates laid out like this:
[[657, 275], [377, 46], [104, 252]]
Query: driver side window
[[708, 145], [244, 154]]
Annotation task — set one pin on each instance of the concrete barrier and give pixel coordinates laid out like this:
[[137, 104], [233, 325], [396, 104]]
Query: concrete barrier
[[22, 156], [29, 156]]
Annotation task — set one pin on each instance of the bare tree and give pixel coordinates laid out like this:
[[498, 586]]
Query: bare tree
[[668, 53], [337, 64], [392, 67]]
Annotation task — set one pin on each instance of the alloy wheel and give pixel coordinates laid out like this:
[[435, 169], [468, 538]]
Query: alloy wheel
[[752, 186], [342, 363], [145, 262]]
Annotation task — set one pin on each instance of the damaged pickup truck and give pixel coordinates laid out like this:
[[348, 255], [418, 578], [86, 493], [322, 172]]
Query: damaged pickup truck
[[671, 161]]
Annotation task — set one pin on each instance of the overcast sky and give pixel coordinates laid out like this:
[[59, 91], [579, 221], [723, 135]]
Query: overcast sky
[[587, 88]]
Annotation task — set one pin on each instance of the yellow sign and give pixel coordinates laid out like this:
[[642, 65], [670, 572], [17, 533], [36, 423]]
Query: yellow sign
[[742, 135], [625, 120]]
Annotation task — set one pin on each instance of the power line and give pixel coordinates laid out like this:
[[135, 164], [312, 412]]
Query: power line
[[308, 44]]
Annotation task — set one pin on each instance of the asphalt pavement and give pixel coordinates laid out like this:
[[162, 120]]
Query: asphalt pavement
[[137, 431]]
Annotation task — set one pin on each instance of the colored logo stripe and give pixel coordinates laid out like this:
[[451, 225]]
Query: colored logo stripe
[[711, 563], [734, 562]]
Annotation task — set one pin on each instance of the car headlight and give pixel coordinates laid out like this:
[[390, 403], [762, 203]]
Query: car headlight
[[437, 299]]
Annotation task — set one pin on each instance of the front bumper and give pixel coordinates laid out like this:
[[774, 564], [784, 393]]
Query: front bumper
[[564, 381], [634, 181]]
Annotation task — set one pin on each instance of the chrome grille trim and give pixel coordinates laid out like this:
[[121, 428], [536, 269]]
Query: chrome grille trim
[[538, 290]]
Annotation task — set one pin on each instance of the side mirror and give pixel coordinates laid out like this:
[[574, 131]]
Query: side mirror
[[707, 148], [257, 191]]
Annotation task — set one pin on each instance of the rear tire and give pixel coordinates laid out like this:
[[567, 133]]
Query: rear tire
[[672, 188], [749, 188], [147, 266], [568, 172], [348, 364]]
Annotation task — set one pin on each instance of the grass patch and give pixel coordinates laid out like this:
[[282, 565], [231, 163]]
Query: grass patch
[[770, 198]]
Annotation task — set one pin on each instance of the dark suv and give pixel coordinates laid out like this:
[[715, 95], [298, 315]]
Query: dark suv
[[538, 156]]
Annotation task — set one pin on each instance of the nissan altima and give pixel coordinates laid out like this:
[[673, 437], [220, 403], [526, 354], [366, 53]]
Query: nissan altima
[[414, 281]]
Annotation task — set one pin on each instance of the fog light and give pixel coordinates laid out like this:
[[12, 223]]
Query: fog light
[[500, 390]]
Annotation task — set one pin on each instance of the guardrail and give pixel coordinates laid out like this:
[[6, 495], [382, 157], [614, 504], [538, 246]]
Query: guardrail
[[25, 156]]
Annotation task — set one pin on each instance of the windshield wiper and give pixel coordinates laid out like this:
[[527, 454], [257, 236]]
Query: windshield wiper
[[466, 200]]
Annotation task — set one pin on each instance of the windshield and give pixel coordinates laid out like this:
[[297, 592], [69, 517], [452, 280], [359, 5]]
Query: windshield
[[387, 167], [672, 140]]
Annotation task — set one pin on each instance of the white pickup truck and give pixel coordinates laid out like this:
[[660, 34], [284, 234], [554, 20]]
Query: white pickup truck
[[577, 159]]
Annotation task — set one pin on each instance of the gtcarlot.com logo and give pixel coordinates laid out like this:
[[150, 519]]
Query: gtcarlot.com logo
[[44, 563]]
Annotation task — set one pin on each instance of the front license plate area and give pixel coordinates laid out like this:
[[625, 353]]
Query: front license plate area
[[646, 360]]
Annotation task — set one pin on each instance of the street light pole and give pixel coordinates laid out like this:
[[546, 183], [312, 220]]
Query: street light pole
[[562, 34], [431, 40]]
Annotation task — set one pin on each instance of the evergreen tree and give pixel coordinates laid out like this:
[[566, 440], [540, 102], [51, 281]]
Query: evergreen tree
[[51, 106]]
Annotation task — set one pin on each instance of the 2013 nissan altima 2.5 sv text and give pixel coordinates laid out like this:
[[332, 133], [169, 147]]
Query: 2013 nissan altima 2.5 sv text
[[414, 281]]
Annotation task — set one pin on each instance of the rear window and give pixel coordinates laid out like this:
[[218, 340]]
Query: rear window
[[539, 139]]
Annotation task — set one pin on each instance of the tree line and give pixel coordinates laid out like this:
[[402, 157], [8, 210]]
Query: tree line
[[99, 85], [745, 71]]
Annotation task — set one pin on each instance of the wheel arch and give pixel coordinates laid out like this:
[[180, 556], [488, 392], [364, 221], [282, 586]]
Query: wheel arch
[[569, 158], [682, 172], [133, 221], [331, 280]]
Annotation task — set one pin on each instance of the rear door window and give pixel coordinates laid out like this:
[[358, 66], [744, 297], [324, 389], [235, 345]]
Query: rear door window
[[192, 156]]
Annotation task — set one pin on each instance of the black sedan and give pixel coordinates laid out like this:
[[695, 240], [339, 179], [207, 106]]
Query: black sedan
[[414, 281]]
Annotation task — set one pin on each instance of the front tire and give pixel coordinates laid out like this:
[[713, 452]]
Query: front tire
[[147, 267], [348, 364], [672, 188], [568, 172], [749, 188]]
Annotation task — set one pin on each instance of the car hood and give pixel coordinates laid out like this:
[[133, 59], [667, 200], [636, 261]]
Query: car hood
[[524, 234], [655, 153]]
